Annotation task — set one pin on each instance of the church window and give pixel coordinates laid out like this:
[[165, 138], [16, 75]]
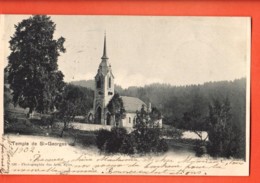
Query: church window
[[109, 82], [98, 115], [99, 83], [129, 120], [108, 119]]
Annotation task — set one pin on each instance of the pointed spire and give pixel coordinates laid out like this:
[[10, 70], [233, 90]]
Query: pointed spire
[[105, 49]]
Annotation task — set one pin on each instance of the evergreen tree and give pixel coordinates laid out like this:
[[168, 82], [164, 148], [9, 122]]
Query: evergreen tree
[[220, 132], [147, 134], [33, 72], [116, 108]]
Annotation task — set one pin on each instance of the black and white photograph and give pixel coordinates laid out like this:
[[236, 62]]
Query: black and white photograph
[[125, 95]]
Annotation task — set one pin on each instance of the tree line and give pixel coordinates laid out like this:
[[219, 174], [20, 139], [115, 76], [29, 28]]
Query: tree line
[[174, 101], [216, 107]]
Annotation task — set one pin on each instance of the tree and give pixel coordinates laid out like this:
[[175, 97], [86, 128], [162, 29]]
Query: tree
[[147, 134], [75, 101], [33, 72], [116, 107], [193, 119], [155, 115], [174, 101], [221, 134], [7, 94], [115, 141], [195, 122]]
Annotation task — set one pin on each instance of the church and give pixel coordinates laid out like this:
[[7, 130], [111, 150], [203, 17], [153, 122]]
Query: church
[[104, 92]]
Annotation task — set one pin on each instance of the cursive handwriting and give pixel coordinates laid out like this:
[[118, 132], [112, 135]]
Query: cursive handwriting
[[34, 158]]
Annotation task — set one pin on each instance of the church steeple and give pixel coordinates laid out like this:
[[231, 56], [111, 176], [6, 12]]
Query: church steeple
[[104, 89], [105, 49]]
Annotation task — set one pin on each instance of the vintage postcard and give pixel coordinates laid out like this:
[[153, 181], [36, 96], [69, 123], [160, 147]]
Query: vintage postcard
[[125, 95]]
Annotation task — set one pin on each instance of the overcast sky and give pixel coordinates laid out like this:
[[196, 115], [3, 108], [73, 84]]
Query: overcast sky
[[144, 50]]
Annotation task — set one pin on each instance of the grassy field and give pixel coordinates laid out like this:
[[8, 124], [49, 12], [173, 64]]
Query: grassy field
[[16, 122]]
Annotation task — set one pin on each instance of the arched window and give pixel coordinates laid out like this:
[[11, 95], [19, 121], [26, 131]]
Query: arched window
[[109, 82], [129, 120], [108, 119], [98, 115], [134, 121], [99, 83]]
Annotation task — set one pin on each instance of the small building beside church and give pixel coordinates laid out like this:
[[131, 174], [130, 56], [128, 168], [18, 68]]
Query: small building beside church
[[104, 92], [131, 105]]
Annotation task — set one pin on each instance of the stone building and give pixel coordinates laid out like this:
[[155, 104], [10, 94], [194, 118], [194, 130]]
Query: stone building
[[104, 92]]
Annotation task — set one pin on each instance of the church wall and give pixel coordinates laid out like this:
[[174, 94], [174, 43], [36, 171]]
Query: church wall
[[128, 121]]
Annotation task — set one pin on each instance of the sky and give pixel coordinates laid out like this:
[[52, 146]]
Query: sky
[[149, 49]]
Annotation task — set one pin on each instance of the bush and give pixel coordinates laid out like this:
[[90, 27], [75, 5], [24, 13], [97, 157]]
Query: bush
[[148, 140], [162, 146], [144, 139], [47, 120], [128, 145], [116, 139], [102, 138], [200, 149], [147, 134]]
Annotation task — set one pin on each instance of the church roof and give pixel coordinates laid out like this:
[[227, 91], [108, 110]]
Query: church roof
[[132, 104], [104, 66], [105, 50]]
